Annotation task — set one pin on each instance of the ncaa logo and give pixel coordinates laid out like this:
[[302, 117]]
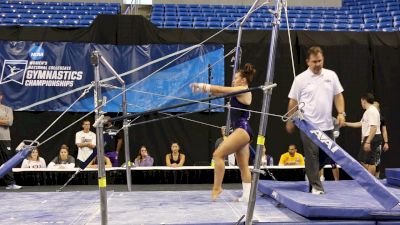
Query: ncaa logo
[[36, 52], [13, 71]]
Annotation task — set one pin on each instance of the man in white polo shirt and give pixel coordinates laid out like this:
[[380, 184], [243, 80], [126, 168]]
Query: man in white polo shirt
[[371, 137], [318, 88]]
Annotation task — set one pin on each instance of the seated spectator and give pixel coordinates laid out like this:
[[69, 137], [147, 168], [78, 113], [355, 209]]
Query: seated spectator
[[175, 158], [266, 160], [63, 160], [93, 163], [143, 158], [34, 160], [291, 157]]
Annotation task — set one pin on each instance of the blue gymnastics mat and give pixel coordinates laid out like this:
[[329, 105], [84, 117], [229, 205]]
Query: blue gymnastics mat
[[342, 200], [393, 172], [393, 176]]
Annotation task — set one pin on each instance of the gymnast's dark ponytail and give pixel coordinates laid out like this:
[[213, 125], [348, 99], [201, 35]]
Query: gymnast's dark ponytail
[[248, 72]]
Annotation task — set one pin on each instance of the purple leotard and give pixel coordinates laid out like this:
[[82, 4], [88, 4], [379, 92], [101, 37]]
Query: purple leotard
[[239, 118]]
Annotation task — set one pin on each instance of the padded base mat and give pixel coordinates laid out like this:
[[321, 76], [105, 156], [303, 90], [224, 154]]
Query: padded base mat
[[342, 200], [392, 172], [393, 176]]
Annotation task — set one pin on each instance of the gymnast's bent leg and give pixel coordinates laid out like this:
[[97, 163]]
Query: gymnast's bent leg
[[232, 144]]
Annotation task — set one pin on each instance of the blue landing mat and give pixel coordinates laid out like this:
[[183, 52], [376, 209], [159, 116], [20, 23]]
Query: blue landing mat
[[393, 172], [393, 176], [343, 199], [393, 181]]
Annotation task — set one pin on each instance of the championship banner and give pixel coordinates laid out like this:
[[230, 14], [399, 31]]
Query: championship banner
[[44, 76]]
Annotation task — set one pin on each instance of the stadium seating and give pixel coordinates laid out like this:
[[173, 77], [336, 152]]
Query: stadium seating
[[60, 14], [354, 15]]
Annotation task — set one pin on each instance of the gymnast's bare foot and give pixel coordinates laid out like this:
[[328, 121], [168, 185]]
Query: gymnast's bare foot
[[215, 193]]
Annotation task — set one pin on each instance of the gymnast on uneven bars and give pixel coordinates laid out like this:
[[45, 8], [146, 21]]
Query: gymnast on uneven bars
[[238, 141]]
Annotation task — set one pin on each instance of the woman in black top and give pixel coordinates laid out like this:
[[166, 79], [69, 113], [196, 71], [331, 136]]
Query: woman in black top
[[175, 158]]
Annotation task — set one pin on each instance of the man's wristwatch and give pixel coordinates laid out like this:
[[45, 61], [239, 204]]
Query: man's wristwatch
[[342, 113]]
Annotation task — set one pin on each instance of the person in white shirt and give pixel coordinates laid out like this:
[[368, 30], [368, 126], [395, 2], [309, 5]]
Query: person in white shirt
[[318, 88], [385, 141], [371, 137], [34, 160], [86, 142]]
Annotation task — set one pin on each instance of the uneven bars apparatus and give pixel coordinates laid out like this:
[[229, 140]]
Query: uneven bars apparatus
[[98, 102], [265, 109], [125, 122]]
